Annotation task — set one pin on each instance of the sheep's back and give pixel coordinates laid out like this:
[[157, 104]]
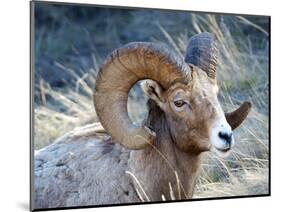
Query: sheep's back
[[82, 168]]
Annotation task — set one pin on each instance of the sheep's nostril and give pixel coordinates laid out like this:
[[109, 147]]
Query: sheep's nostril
[[226, 136]]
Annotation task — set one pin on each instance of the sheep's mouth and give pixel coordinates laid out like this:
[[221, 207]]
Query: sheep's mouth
[[224, 150]]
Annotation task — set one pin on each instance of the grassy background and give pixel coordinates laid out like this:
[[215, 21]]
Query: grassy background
[[71, 42]]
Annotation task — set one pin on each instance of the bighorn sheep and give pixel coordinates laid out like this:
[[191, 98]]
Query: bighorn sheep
[[157, 160]]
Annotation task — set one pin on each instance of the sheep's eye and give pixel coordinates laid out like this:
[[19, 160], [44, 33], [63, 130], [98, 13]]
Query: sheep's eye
[[179, 103]]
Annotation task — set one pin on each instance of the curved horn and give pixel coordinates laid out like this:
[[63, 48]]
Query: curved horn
[[202, 51], [236, 117], [122, 69]]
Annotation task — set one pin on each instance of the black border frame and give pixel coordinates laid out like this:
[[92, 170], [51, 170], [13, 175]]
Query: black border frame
[[31, 108]]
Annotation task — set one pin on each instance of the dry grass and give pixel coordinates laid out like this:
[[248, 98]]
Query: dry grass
[[242, 74]]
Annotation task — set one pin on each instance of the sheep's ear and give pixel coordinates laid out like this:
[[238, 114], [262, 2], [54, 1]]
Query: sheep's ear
[[194, 75], [154, 91], [236, 117]]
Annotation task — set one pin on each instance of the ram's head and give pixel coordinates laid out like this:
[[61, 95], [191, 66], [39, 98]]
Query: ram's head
[[186, 91]]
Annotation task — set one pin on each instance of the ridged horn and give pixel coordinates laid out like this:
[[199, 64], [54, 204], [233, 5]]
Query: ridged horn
[[121, 70], [236, 117], [202, 51]]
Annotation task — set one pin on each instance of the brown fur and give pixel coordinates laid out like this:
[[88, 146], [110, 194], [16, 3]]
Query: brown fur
[[181, 137], [158, 166], [190, 127]]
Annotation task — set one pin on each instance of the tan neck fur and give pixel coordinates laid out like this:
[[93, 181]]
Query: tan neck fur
[[164, 168]]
